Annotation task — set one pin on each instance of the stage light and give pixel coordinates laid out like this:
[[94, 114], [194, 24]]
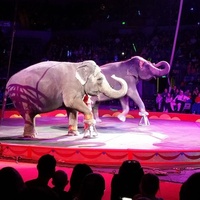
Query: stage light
[[123, 23], [134, 47]]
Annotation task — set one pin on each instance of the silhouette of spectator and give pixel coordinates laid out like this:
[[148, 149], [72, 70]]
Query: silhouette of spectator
[[126, 182], [190, 188], [149, 187], [11, 183], [92, 187], [78, 174], [46, 167], [34, 193], [60, 181]]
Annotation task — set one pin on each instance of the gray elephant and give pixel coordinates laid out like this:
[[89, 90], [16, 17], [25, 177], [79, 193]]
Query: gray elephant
[[48, 85], [131, 70]]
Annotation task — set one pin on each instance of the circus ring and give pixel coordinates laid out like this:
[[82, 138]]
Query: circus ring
[[170, 139]]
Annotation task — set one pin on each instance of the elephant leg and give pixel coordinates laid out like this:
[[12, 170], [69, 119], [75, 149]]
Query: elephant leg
[[134, 95], [28, 116], [95, 110], [73, 122], [89, 122], [29, 125], [125, 108]]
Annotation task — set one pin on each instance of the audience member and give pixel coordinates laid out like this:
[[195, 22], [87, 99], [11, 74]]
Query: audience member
[[196, 105], [149, 187], [173, 91], [188, 93], [159, 100], [126, 182], [60, 181], [11, 183], [190, 188], [164, 95], [92, 187], [177, 90], [179, 101], [78, 174], [195, 93], [46, 167], [167, 103]]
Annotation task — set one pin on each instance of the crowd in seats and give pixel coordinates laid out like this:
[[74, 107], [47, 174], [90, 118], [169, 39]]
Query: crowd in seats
[[178, 100], [130, 182], [111, 46]]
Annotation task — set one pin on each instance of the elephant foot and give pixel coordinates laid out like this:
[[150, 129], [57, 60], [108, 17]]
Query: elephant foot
[[29, 132], [73, 133], [29, 135], [121, 117]]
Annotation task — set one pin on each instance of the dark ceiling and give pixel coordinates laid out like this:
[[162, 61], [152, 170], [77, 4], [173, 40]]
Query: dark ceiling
[[66, 14]]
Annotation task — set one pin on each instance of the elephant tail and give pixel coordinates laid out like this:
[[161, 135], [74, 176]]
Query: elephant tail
[[3, 105]]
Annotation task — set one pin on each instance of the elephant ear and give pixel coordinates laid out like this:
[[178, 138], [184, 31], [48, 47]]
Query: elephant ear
[[133, 66], [85, 70]]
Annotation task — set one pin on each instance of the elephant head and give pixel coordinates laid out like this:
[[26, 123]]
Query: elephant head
[[94, 81], [145, 70]]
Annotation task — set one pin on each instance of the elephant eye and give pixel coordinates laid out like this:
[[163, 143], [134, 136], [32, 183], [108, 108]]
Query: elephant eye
[[100, 80]]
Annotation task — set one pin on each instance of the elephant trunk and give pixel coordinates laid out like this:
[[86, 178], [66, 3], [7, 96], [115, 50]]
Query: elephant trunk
[[112, 93], [160, 71]]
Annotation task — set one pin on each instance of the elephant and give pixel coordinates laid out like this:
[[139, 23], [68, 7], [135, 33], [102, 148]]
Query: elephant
[[131, 70], [49, 85]]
